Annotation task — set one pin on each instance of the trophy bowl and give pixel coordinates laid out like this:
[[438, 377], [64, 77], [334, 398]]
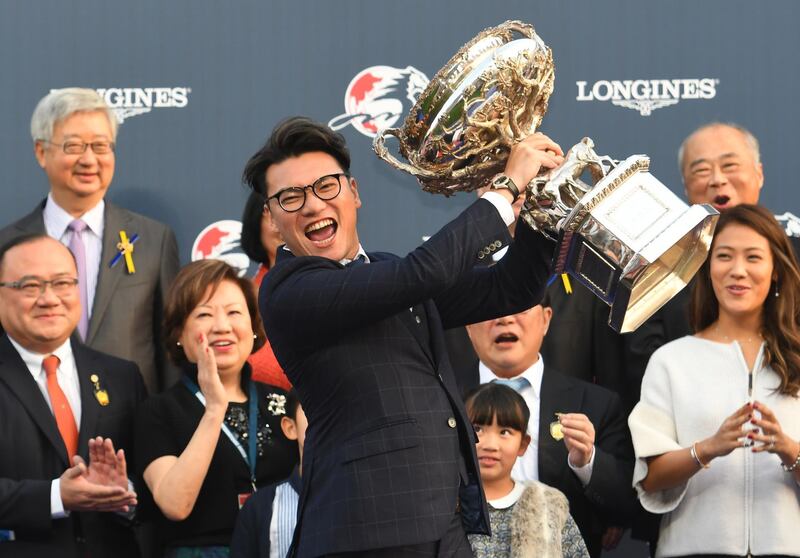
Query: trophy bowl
[[625, 236], [492, 94]]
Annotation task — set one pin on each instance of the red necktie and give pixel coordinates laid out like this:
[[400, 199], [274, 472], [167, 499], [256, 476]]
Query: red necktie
[[61, 409]]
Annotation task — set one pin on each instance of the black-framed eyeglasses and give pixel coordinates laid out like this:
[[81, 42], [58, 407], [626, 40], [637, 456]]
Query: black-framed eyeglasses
[[293, 198], [35, 286], [73, 147]]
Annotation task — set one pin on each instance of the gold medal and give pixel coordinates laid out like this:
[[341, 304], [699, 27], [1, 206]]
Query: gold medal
[[555, 428]]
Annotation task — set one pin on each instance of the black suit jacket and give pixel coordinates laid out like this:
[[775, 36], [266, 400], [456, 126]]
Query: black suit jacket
[[608, 499], [128, 309], [33, 454], [388, 442]]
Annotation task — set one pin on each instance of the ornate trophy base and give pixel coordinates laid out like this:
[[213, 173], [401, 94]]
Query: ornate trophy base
[[633, 242]]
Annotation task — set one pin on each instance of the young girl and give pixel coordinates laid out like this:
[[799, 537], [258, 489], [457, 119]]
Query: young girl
[[527, 520]]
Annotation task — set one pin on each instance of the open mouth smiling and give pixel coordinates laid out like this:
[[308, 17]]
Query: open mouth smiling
[[322, 231]]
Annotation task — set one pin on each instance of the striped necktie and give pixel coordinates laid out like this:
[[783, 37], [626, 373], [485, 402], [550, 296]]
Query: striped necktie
[[517, 384]]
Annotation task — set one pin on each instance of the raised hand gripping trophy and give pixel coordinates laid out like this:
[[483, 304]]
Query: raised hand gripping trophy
[[627, 237]]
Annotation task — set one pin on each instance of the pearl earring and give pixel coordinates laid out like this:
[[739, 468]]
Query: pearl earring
[[178, 343]]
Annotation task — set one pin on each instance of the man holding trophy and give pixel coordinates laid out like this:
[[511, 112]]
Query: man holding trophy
[[390, 468]]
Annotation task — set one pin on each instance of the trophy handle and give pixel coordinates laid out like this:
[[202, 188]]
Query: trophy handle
[[379, 146]]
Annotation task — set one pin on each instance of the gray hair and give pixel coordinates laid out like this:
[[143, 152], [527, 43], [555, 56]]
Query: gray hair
[[60, 104], [749, 139]]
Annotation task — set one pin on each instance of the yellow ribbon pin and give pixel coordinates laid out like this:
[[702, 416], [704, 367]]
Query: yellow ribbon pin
[[125, 247], [567, 284]]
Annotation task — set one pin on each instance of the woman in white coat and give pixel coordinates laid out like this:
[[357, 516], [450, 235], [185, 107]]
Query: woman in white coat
[[716, 430]]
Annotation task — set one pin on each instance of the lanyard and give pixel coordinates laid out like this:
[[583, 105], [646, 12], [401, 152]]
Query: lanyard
[[252, 425]]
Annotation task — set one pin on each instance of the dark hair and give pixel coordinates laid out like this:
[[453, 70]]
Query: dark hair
[[492, 400], [19, 241], [292, 404], [780, 328], [290, 138], [251, 229], [190, 288]]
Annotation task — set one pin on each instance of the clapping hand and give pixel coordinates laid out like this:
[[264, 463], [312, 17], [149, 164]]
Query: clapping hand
[[100, 486], [106, 467], [728, 437], [773, 439], [208, 378]]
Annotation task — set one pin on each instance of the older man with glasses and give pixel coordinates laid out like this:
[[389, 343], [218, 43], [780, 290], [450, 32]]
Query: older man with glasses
[[74, 134], [390, 467]]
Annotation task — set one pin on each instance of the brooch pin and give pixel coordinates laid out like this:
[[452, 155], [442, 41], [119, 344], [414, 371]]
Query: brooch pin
[[556, 430], [125, 247], [100, 394], [567, 284], [276, 404]]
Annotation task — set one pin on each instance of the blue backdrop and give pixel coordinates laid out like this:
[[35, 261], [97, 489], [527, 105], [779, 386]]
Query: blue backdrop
[[218, 76]]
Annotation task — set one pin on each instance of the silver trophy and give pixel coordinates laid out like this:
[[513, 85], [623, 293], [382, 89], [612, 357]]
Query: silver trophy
[[625, 236]]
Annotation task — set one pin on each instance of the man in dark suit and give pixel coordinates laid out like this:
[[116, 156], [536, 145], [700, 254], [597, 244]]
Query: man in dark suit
[[593, 465], [56, 397], [390, 467], [73, 134]]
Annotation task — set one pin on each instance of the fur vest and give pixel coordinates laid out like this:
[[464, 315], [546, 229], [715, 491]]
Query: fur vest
[[537, 522]]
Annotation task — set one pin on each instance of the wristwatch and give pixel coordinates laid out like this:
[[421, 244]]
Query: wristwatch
[[502, 182]]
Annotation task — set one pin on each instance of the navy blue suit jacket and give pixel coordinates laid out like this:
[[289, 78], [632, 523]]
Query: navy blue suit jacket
[[389, 451]]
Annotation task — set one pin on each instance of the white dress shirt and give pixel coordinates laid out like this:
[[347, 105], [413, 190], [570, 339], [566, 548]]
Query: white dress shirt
[[56, 221], [67, 376], [527, 467]]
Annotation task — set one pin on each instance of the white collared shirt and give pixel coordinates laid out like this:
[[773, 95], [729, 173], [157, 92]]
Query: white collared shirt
[[505, 502], [56, 221], [344, 261], [527, 467], [360, 253], [67, 376]]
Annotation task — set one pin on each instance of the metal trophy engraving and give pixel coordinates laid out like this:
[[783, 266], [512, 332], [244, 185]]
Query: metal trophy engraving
[[626, 237]]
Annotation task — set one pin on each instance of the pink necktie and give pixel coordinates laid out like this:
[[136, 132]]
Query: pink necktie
[[79, 251]]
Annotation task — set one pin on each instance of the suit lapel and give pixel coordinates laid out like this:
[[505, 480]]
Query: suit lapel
[[33, 222], [85, 365], [557, 396], [115, 220], [15, 374]]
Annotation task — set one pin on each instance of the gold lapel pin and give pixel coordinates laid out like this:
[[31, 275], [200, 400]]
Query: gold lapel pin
[[100, 394]]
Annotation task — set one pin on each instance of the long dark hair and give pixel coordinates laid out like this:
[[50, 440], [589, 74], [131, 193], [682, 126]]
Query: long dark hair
[[780, 328]]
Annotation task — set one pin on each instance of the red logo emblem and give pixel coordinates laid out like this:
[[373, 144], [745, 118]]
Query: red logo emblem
[[221, 241], [378, 97]]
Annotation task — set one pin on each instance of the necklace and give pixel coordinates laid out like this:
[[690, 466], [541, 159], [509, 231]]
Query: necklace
[[727, 339]]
